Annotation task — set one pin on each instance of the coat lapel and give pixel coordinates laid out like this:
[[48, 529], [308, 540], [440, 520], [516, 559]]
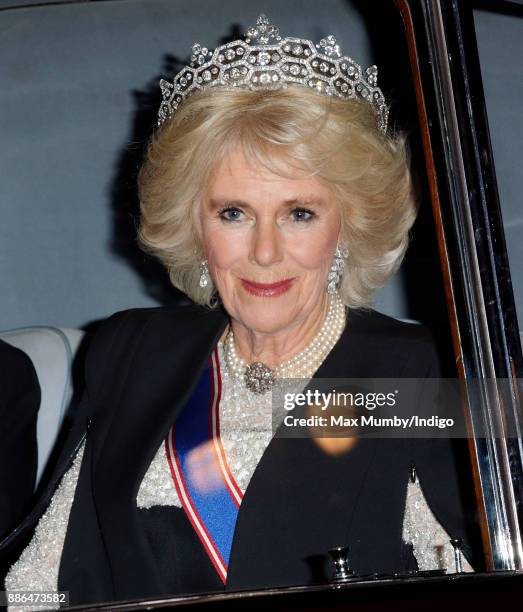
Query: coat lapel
[[161, 373]]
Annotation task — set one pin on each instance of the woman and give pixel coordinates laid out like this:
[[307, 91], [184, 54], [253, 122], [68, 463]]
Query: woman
[[278, 203]]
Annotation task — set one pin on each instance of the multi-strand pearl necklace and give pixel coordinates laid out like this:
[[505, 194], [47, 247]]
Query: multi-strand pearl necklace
[[259, 378]]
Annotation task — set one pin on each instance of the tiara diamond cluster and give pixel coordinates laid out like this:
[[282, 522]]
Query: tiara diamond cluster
[[265, 60]]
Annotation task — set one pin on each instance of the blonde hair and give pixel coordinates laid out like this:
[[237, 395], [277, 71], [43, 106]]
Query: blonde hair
[[336, 141]]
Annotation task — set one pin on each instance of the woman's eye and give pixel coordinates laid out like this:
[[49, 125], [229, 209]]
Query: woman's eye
[[233, 214], [302, 215], [230, 213]]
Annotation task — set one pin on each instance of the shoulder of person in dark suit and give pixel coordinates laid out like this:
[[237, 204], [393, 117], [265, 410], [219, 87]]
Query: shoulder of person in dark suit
[[19, 404]]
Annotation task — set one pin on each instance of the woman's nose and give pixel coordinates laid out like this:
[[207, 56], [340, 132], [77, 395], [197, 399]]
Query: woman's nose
[[266, 247]]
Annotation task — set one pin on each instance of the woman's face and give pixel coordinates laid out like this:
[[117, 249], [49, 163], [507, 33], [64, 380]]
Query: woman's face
[[258, 229]]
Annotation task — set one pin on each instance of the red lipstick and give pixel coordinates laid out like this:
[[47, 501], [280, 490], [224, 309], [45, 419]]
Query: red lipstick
[[267, 290]]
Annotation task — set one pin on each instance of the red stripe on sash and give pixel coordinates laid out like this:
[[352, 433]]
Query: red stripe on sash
[[199, 527]]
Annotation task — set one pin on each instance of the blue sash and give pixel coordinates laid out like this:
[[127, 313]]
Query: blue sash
[[207, 490]]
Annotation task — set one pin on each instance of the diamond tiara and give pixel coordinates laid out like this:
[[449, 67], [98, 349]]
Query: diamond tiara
[[265, 60]]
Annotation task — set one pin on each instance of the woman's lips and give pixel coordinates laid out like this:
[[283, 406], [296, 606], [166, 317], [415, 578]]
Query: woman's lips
[[267, 290]]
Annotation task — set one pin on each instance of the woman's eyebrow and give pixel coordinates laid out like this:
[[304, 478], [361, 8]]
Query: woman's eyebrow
[[215, 203], [304, 201]]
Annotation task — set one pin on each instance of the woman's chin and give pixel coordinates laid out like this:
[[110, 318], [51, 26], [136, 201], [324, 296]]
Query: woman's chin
[[266, 318]]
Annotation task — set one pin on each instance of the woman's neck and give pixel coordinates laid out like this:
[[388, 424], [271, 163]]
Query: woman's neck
[[277, 348]]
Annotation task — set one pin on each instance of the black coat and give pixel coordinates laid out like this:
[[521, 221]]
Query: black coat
[[140, 370], [19, 404]]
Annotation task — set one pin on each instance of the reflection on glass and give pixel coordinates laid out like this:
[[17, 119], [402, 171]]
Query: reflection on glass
[[500, 44]]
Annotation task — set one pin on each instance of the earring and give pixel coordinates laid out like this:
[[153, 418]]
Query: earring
[[336, 270], [204, 274]]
